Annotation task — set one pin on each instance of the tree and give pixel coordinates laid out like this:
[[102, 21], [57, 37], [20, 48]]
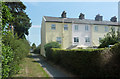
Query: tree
[[33, 46], [110, 38], [21, 21]]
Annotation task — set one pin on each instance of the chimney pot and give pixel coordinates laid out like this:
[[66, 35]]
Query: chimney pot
[[98, 18], [82, 16], [113, 19], [63, 15]]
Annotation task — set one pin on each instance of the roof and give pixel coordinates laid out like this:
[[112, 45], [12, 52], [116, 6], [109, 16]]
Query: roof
[[78, 21]]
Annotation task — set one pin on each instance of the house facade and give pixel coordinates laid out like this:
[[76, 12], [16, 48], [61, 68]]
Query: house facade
[[75, 32]]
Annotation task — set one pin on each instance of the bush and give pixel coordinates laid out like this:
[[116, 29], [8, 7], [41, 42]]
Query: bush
[[7, 59], [101, 63], [20, 48], [48, 47], [37, 50], [82, 62]]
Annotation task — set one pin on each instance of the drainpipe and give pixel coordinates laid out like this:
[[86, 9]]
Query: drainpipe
[[62, 32]]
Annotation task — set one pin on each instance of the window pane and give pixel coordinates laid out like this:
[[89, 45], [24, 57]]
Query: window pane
[[87, 39], [76, 27], [65, 27], [58, 39], [76, 39], [86, 28], [53, 27], [96, 28]]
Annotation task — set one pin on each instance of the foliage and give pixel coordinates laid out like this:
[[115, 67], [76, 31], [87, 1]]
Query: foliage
[[98, 63], [20, 48], [110, 39], [6, 16], [7, 58], [13, 48], [33, 46], [82, 62], [48, 47], [21, 21], [37, 50]]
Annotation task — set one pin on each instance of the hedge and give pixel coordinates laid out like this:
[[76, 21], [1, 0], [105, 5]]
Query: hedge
[[81, 62], [103, 62]]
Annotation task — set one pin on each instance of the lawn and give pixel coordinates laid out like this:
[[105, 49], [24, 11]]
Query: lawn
[[29, 68]]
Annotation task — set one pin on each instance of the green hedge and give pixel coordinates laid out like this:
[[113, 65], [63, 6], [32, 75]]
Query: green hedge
[[104, 62], [48, 47], [82, 62]]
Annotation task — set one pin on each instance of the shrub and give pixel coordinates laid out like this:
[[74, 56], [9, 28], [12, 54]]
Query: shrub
[[82, 62], [7, 58], [20, 48], [89, 62], [37, 50], [48, 47], [110, 39]]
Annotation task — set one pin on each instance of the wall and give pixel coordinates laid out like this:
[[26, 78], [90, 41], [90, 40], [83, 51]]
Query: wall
[[81, 33], [100, 33]]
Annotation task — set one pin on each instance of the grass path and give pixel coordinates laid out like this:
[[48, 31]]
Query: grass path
[[29, 68]]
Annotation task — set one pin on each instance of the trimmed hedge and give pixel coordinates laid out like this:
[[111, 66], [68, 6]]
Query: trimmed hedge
[[48, 47], [104, 62], [82, 62]]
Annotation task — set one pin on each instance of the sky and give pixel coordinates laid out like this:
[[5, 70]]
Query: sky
[[36, 10]]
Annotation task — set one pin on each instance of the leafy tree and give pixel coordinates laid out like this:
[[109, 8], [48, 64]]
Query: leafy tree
[[33, 46], [37, 49], [6, 16], [110, 38], [21, 21]]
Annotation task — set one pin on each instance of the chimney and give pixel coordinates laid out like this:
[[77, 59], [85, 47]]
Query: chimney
[[82, 16], [98, 18], [113, 19], [63, 15]]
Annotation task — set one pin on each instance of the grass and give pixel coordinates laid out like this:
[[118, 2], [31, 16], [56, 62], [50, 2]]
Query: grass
[[29, 68]]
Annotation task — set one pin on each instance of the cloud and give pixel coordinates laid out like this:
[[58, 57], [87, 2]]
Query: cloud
[[36, 26]]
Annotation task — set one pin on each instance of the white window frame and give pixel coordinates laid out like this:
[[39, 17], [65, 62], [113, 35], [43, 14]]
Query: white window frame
[[76, 28], [53, 27], [59, 40], [76, 39], [87, 39], [86, 28], [96, 28]]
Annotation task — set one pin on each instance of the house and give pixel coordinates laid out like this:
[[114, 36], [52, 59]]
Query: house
[[75, 32]]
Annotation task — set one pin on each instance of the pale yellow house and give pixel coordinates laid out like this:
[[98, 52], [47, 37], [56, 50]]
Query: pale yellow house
[[55, 29], [74, 32]]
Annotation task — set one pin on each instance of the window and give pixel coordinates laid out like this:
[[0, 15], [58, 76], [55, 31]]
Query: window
[[65, 27], [53, 26], [58, 39], [87, 39], [86, 28], [106, 28], [76, 27], [96, 28], [76, 39]]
